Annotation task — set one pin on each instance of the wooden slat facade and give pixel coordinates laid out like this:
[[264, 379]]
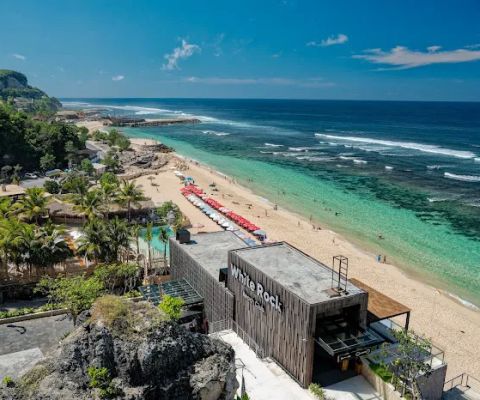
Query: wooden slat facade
[[218, 300], [288, 337]]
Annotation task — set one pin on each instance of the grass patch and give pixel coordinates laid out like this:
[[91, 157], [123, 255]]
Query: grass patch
[[30, 381], [124, 317]]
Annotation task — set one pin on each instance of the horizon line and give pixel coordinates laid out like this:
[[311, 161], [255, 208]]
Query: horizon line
[[267, 98]]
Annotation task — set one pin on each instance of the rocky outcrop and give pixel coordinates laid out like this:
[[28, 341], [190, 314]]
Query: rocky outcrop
[[145, 360]]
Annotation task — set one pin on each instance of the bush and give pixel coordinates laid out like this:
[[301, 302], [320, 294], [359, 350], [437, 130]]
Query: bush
[[28, 310], [172, 306], [382, 371], [317, 391], [8, 381], [100, 379], [76, 294], [111, 310], [132, 294], [51, 187]]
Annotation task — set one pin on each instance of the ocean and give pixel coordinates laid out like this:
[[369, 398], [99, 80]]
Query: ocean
[[398, 178]]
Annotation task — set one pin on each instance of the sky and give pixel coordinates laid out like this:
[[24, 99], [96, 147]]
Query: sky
[[362, 49]]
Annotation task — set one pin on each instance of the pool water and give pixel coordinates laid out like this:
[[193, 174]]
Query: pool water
[[157, 245]]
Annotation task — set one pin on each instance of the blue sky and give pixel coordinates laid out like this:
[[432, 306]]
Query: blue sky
[[393, 50]]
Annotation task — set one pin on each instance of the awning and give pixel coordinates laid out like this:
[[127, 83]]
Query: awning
[[380, 306]]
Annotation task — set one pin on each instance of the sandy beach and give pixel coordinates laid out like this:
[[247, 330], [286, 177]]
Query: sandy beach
[[451, 326]]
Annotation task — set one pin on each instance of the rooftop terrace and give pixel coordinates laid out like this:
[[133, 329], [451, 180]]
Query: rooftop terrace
[[210, 250], [297, 272]]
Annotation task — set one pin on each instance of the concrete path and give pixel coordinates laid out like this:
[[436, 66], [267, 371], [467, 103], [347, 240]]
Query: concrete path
[[41, 332], [266, 380], [15, 364]]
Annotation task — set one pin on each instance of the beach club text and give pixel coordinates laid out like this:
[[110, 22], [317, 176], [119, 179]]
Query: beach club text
[[257, 288]]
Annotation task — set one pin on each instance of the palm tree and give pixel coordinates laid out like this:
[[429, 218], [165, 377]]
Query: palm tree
[[33, 205], [136, 234], [5, 207], [91, 204], [164, 236], [10, 241], [109, 194], [129, 194], [148, 238], [119, 235], [53, 248], [91, 243]]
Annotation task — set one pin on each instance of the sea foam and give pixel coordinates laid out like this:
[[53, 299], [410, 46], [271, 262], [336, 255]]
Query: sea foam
[[273, 145], [426, 148], [464, 178]]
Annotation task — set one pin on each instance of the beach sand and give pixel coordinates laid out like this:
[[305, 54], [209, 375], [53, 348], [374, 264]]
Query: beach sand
[[451, 326]]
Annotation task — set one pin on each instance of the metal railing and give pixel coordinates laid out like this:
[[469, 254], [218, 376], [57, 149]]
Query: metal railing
[[463, 380], [434, 355], [228, 324]]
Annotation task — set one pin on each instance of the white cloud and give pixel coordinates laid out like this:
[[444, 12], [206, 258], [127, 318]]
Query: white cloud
[[330, 41], [19, 56], [308, 82], [118, 78], [184, 51], [403, 58]]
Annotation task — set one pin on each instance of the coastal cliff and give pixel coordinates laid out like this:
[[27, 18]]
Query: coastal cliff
[[14, 86], [131, 353]]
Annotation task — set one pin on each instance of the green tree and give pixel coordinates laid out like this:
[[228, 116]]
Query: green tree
[[75, 182], [16, 174], [129, 194], [148, 238], [91, 204], [52, 187], [118, 275], [109, 178], [135, 232], [33, 205], [172, 306], [75, 294], [410, 361], [163, 236], [87, 167], [47, 162], [112, 161], [104, 240]]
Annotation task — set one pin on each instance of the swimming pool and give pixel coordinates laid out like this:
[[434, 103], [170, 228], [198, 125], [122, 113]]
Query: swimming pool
[[157, 244]]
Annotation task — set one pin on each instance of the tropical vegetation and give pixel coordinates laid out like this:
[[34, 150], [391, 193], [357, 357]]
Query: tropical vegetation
[[33, 144]]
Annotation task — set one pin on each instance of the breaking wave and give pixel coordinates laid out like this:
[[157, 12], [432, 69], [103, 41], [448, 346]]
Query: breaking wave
[[426, 148], [273, 145], [464, 178]]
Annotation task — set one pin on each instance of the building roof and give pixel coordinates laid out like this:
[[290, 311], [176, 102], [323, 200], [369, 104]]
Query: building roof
[[211, 249], [380, 306], [12, 190], [297, 272]]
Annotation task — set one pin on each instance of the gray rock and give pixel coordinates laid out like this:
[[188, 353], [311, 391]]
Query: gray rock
[[164, 361]]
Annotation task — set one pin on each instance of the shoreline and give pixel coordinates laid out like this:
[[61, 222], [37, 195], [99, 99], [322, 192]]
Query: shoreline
[[437, 314], [359, 246]]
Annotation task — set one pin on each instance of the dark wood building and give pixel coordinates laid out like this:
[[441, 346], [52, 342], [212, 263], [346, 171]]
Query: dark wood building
[[288, 303], [200, 261]]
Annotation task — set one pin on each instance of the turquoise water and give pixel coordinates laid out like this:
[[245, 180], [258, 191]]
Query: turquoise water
[[407, 171], [156, 243], [361, 218]]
